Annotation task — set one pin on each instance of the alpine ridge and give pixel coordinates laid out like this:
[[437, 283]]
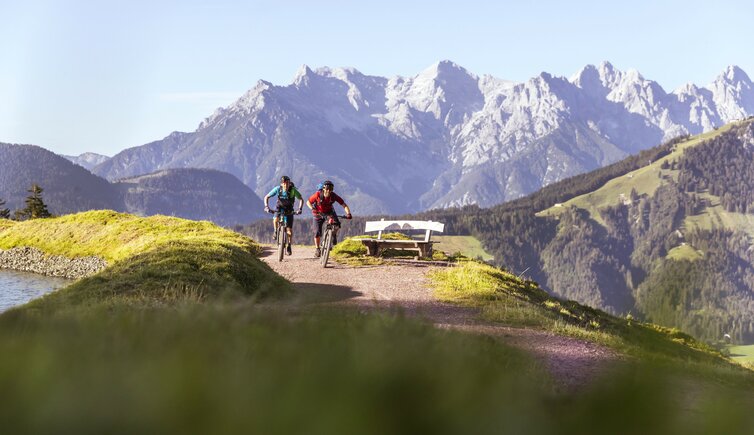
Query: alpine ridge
[[444, 137]]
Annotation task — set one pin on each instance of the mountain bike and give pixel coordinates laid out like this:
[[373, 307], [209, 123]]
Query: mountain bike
[[281, 235], [327, 239]]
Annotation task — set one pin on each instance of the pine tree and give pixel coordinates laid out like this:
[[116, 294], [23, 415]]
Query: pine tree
[[4, 212], [35, 206]]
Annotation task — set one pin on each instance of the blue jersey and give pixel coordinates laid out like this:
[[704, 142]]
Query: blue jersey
[[285, 196]]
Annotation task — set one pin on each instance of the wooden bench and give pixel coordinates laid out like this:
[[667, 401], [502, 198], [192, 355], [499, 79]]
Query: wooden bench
[[376, 246]]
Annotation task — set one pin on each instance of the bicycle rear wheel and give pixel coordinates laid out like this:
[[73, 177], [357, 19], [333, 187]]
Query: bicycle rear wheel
[[282, 236], [325, 245]]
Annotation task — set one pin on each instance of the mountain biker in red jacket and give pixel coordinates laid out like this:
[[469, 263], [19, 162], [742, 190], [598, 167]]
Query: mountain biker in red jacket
[[321, 204]]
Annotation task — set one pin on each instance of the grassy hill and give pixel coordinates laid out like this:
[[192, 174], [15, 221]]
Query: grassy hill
[[173, 337], [154, 260], [644, 181], [647, 179]]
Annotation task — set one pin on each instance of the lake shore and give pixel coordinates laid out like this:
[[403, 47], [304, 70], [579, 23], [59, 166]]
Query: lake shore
[[33, 260]]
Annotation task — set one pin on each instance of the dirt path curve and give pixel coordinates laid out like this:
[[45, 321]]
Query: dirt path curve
[[572, 363]]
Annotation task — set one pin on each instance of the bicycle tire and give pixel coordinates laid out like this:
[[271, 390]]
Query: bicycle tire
[[281, 243], [325, 253]]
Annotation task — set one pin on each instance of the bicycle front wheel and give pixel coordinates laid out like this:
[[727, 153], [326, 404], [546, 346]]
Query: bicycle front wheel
[[325, 245], [281, 243]]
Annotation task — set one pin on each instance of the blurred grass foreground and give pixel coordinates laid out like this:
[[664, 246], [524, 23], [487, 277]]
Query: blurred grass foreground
[[186, 331]]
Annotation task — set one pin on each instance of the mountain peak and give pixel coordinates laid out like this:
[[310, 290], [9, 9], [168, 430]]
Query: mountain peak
[[733, 74], [338, 72], [687, 88], [262, 85], [597, 80], [634, 75], [586, 77], [303, 75], [445, 70], [607, 66]]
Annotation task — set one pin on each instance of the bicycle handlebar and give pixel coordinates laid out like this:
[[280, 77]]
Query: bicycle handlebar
[[271, 211], [338, 215]]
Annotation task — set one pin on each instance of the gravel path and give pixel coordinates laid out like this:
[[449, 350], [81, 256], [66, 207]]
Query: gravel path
[[572, 363]]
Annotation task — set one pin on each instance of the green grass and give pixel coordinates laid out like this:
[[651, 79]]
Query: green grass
[[715, 216], [158, 260], [468, 246], [353, 253], [211, 369], [6, 223], [170, 339], [114, 236], [235, 369], [742, 354], [690, 371], [684, 252], [505, 298]]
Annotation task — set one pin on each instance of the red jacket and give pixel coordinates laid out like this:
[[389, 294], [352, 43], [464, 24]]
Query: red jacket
[[320, 204]]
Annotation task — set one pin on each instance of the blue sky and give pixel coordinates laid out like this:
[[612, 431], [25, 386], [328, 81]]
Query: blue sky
[[103, 76]]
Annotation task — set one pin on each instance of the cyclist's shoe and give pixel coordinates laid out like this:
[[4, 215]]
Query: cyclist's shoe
[[317, 252], [288, 250]]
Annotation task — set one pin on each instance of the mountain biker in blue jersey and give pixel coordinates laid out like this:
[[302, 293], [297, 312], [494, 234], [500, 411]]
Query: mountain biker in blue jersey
[[286, 195]]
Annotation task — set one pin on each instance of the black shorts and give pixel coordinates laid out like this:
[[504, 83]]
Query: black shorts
[[288, 215], [319, 221]]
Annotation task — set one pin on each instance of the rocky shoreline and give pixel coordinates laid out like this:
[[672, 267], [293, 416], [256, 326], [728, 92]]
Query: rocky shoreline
[[33, 260]]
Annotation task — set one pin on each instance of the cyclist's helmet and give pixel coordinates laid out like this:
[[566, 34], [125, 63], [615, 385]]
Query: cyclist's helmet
[[285, 178], [329, 184]]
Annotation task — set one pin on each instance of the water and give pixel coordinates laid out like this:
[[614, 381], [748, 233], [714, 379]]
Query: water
[[17, 288]]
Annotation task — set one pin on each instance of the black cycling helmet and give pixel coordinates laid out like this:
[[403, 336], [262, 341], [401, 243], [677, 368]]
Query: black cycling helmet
[[285, 178], [329, 184]]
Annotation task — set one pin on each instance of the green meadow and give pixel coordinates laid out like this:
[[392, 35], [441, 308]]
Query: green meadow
[[644, 180], [468, 246], [742, 354], [187, 331]]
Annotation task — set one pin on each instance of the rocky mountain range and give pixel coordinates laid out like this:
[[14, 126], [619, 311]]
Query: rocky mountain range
[[444, 137]]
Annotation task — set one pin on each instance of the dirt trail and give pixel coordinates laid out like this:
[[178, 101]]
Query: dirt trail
[[572, 363]]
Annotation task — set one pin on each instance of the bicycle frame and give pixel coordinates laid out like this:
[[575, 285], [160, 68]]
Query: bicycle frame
[[327, 236], [281, 235]]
